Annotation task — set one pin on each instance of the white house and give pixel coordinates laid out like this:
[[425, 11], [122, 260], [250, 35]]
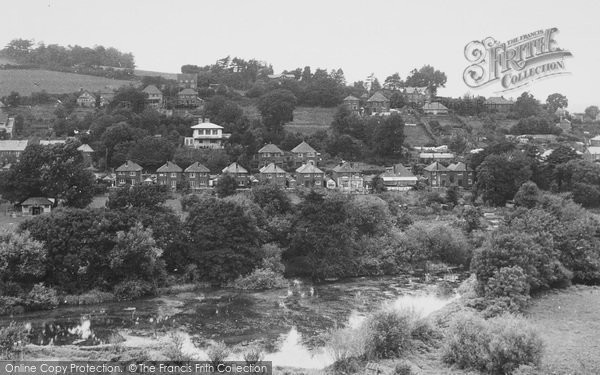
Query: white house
[[207, 135]]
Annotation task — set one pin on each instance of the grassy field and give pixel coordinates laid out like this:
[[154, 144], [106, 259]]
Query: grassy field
[[27, 81], [308, 120], [141, 73], [569, 323]]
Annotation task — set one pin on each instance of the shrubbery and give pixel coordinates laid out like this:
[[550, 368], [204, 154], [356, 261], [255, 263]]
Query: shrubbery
[[497, 346], [13, 339], [132, 289]]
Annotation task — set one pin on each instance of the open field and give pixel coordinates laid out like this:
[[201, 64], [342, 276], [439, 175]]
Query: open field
[[569, 323], [27, 81], [141, 73], [308, 120], [417, 135]]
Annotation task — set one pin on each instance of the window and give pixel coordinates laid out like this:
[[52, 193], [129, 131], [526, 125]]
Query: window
[[173, 183], [174, 175], [192, 175], [132, 173]]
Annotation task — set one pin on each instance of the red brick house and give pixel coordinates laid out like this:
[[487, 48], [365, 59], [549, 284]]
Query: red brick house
[[348, 179], [308, 175], [303, 154], [197, 176], [270, 154], [170, 174], [460, 175], [239, 173], [377, 103], [129, 173], [273, 174], [437, 174], [352, 103]]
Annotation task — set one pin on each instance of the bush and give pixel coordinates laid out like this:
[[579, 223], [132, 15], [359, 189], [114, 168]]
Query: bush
[[174, 349], [92, 297], [403, 368], [42, 298], [388, 334], [437, 242], [346, 343], [218, 352], [260, 279], [13, 339], [132, 289], [498, 346], [509, 285], [11, 305], [253, 355]]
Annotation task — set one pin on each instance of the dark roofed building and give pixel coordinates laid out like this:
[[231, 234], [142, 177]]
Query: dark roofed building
[[437, 175], [36, 206], [498, 103], [348, 179], [170, 174], [460, 175], [270, 154], [398, 178], [352, 103], [197, 176], [308, 175], [129, 173], [377, 103], [239, 173], [304, 153], [273, 174], [188, 98]]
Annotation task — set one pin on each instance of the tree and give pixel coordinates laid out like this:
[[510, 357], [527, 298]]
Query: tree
[[428, 77], [526, 105], [555, 101], [500, 176], [226, 186], [388, 137], [56, 171], [152, 152], [528, 195], [393, 82], [138, 196], [592, 111], [277, 108], [22, 258], [272, 199], [128, 96]]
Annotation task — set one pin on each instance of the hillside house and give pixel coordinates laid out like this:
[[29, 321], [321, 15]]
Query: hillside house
[[86, 99], [197, 176], [398, 178], [282, 76], [348, 179], [595, 142], [52, 142], [592, 153], [7, 124], [271, 154], [87, 153], [437, 175], [188, 98], [36, 206], [10, 151], [274, 175], [207, 135], [187, 81], [377, 103], [155, 97], [416, 95], [352, 103], [239, 173], [169, 174], [309, 176], [303, 154], [498, 103], [460, 175], [129, 173], [435, 109], [427, 157]]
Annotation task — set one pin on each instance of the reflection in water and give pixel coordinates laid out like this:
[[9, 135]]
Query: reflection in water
[[293, 353]]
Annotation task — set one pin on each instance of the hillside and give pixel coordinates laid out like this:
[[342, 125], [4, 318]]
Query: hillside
[[27, 81], [150, 73], [308, 120]]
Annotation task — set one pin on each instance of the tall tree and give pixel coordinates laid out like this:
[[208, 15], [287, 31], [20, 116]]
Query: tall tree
[[499, 177], [526, 105], [592, 111], [393, 82], [277, 108], [428, 77], [388, 137], [555, 101]]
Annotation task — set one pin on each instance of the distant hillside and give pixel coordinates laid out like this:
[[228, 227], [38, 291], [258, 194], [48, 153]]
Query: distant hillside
[[141, 73], [308, 120], [27, 81]]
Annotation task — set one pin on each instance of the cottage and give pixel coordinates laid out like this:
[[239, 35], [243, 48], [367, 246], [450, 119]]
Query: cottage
[[86, 100], [498, 103], [10, 151], [170, 174], [437, 175], [398, 178], [155, 97], [239, 173], [460, 175], [207, 135], [197, 176], [188, 98], [87, 153], [187, 80], [271, 154], [348, 179], [352, 103], [303, 154], [377, 103], [36, 206], [308, 175], [435, 109], [273, 174], [129, 173]]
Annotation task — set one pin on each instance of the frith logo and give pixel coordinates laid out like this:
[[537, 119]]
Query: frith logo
[[515, 63]]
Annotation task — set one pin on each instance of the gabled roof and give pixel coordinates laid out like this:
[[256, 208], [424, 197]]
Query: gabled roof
[[271, 168], [595, 150], [351, 98], [13, 145], [207, 125], [434, 106], [86, 93], [270, 148], [151, 89], [169, 167], [235, 168], [436, 167], [85, 148], [50, 142], [596, 138], [129, 166], [458, 167], [188, 92], [418, 90], [303, 148], [308, 168], [197, 168], [345, 168], [399, 170], [36, 201], [378, 97]]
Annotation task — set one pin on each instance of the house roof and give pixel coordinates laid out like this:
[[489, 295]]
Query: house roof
[[458, 167], [378, 97], [129, 166], [308, 168], [434, 106], [595, 150], [13, 145], [399, 170], [235, 168], [270, 148], [435, 167], [151, 89], [86, 93], [303, 148], [345, 168], [498, 100], [207, 125], [188, 92], [350, 98], [197, 168], [169, 167], [49, 142], [36, 201], [271, 168], [85, 148], [434, 155], [596, 138], [418, 90]]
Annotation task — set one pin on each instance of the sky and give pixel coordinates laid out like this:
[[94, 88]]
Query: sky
[[380, 37]]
